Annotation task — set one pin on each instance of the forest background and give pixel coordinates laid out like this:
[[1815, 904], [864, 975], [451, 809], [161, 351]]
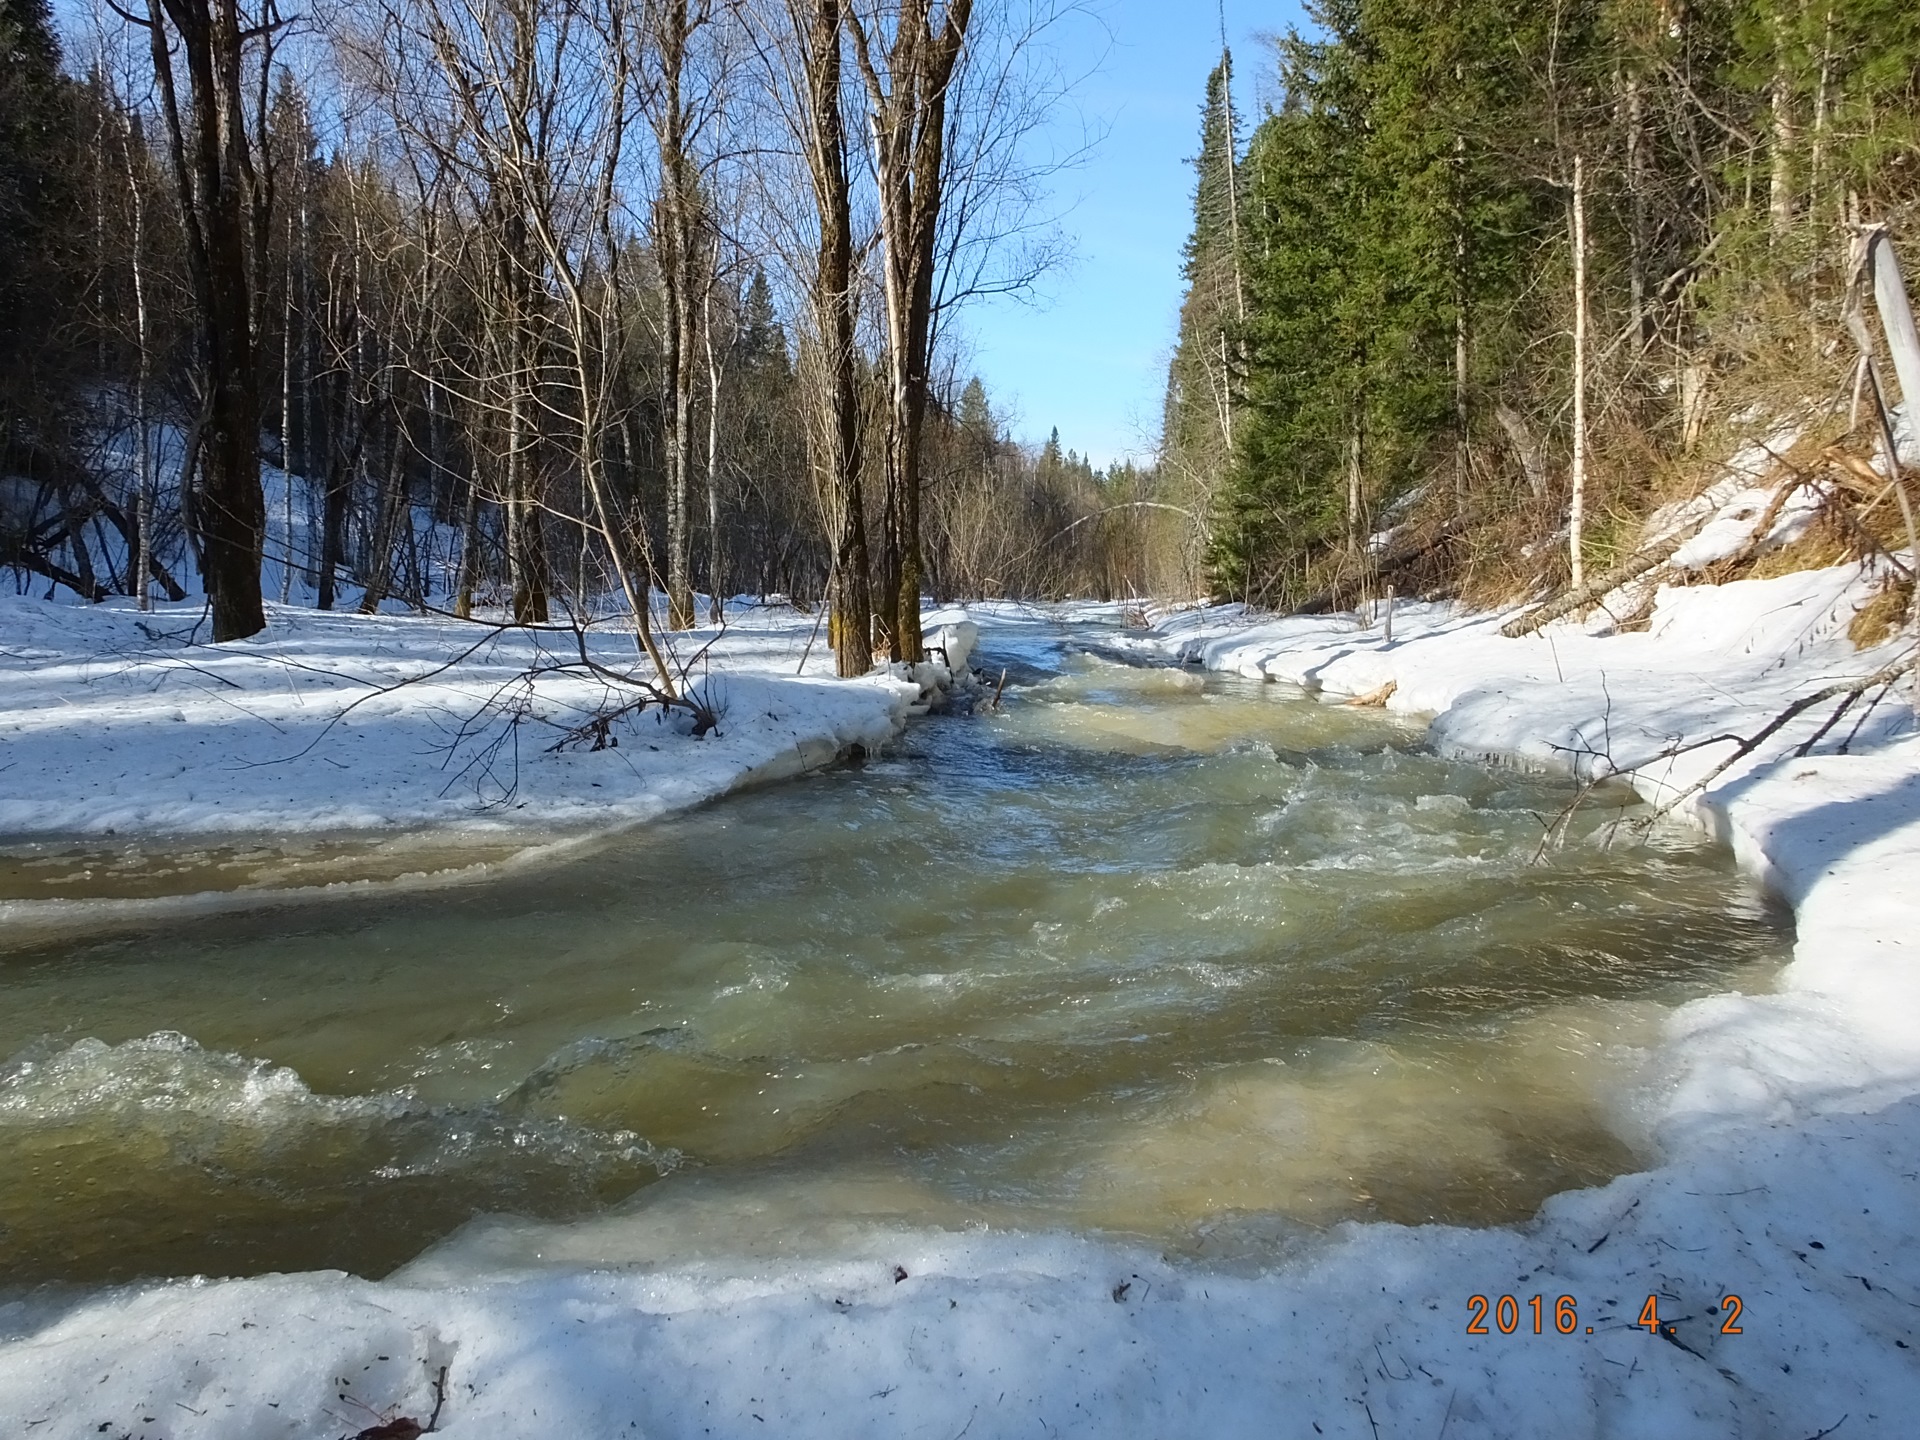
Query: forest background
[[549, 300]]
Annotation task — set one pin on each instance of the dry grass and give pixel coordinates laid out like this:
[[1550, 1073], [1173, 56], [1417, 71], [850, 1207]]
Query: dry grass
[[1880, 619], [1827, 543], [1513, 547]]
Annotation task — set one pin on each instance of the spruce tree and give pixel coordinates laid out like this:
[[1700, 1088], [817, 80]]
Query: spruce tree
[[39, 231], [1202, 384]]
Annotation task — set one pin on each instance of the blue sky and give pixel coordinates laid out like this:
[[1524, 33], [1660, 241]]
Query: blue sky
[[1090, 354]]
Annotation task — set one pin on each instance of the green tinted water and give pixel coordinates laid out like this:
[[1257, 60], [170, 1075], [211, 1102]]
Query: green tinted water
[[1201, 961]]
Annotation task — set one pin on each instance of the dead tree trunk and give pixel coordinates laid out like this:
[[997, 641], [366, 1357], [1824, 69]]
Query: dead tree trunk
[[1526, 449], [1896, 320]]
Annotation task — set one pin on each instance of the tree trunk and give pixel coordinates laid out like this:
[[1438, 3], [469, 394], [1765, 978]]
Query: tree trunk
[[1822, 110], [143, 430], [717, 609], [1525, 448], [1356, 476], [337, 486], [389, 516], [1577, 511], [526, 539], [309, 368], [909, 125], [1637, 227], [837, 428], [338, 492], [673, 239], [214, 175], [1780, 199], [469, 548], [1462, 362], [286, 420]]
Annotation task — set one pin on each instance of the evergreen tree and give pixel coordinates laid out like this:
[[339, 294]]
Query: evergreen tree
[[38, 231], [1051, 459], [978, 432], [763, 340], [1197, 426], [974, 414]]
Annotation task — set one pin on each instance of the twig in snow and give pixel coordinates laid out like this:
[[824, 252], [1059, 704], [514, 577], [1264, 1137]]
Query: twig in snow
[[174, 662], [1672, 1337], [517, 713], [378, 691], [439, 1399], [1865, 715], [158, 636], [1822, 1435]]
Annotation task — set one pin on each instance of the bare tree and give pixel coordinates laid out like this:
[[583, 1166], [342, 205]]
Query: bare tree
[[528, 103], [805, 67], [907, 77], [225, 207]]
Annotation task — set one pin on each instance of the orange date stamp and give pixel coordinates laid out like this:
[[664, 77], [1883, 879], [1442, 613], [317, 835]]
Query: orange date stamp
[[1510, 1315]]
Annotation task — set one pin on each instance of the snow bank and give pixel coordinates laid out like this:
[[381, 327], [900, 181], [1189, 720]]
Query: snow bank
[[115, 722]]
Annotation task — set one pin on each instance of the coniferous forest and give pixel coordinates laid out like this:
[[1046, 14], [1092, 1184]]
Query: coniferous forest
[[1488, 280]]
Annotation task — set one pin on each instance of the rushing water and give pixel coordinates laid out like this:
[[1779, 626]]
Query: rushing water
[[1203, 961]]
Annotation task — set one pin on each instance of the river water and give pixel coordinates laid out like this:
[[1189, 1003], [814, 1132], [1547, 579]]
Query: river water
[[1196, 960]]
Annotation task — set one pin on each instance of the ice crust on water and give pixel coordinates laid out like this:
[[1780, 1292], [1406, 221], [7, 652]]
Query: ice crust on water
[[1789, 1123]]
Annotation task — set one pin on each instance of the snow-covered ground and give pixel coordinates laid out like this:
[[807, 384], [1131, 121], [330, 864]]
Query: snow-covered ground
[[1790, 1124], [113, 721]]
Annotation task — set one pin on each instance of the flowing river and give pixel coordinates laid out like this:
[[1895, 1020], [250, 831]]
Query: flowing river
[[1201, 961]]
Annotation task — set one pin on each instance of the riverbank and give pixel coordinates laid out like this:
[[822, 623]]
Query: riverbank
[[114, 723], [1790, 1184]]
